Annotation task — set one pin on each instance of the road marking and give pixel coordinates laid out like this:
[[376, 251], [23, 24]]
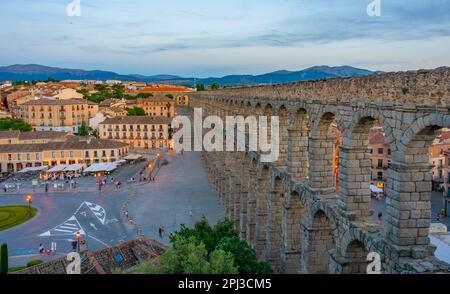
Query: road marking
[[90, 236], [69, 227], [98, 211], [65, 231]]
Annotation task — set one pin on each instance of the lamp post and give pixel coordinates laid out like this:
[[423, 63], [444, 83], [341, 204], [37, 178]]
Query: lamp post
[[29, 200], [78, 241], [150, 171], [158, 156]]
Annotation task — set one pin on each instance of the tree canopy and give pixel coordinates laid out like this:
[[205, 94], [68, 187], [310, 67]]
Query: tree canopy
[[206, 250], [136, 111], [14, 125]]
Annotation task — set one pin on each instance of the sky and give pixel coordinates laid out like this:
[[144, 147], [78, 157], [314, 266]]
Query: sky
[[199, 38]]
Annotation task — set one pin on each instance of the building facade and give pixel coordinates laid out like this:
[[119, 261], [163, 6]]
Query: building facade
[[139, 131], [380, 157], [58, 115], [155, 106], [17, 155]]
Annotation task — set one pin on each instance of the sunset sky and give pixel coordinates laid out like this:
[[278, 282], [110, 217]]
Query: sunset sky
[[216, 38]]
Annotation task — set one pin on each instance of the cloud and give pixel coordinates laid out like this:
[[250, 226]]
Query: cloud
[[213, 36]]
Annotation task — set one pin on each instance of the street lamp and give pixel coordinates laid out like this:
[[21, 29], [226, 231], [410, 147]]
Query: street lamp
[[78, 240], [29, 200]]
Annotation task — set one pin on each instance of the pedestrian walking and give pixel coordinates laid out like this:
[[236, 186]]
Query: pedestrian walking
[[41, 248], [160, 232], [163, 230], [380, 216], [438, 217]]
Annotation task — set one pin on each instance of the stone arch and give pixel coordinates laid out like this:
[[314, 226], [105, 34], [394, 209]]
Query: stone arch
[[319, 242], [355, 258], [293, 210], [355, 172], [244, 173], [274, 208], [263, 186], [408, 189], [324, 154], [297, 154], [251, 201], [283, 115]]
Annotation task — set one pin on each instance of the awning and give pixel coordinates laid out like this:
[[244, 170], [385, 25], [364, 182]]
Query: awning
[[57, 168], [75, 167], [33, 169], [375, 189], [101, 167], [133, 157]]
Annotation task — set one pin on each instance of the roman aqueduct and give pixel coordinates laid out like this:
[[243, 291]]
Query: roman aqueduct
[[290, 210]]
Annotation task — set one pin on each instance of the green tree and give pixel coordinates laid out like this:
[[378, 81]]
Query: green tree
[[211, 237], [244, 256], [4, 258], [136, 111], [200, 87], [84, 92], [117, 90], [14, 125], [83, 130], [222, 262], [189, 256], [214, 86]]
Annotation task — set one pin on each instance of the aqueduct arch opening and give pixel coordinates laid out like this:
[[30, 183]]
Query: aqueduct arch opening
[[320, 241], [324, 155], [297, 153], [293, 210]]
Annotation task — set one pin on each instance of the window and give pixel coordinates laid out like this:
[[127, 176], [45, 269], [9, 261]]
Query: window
[[19, 156], [62, 154], [28, 156], [112, 153], [95, 153], [440, 163], [380, 151], [53, 154], [71, 154], [86, 154], [37, 156], [440, 174], [389, 151], [380, 175], [380, 163], [103, 153], [9, 156]]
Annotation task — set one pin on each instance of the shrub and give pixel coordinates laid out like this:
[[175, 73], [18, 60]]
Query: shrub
[[34, 262]]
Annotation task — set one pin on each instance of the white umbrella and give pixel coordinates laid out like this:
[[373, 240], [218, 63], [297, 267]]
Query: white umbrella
[[375, 189]]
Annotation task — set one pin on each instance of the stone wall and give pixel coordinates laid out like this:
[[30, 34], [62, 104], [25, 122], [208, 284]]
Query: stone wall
[[328, 228]]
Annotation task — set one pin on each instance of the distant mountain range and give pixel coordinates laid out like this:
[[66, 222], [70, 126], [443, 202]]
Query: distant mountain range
[[31, 72]]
